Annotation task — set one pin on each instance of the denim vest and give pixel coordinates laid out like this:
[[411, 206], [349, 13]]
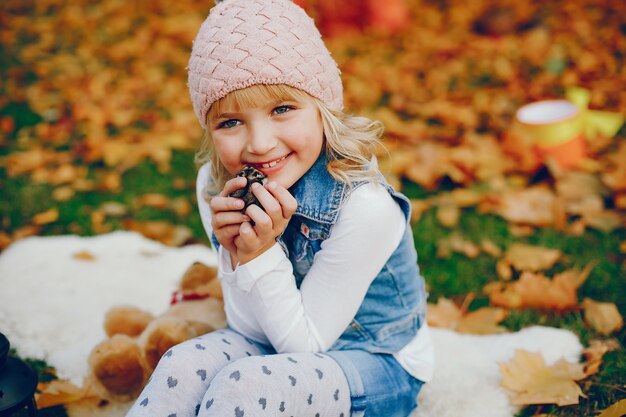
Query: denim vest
[[394, 307]]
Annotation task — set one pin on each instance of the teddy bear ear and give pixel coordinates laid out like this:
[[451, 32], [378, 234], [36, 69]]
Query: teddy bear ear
[[127, 320]]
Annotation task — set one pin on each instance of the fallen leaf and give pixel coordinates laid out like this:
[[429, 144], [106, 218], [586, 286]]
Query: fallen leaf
[[63, 194], [534, 206], [445, 314], [531, 258], [46, 217], [532, 382], [606, 220], [164, 232], [490, 248], [521, 230], [84, 256], [418, 208], [25, 231], [535, 290], [181, 206], [154, 200], [58, 392], [483, 321], [595, 351], [448, 215], [5, 240], [456, 243], [504, 270], [602, 317], [113, 209], [616, 410]]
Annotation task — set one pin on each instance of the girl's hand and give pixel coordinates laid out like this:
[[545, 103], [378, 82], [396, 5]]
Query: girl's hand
[[269, 222], [226, 216]]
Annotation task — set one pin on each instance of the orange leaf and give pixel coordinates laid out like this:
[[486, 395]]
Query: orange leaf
[[595, 351], [447, 315], [535, 206], [602, 317], [59, 392], [532, 382], [535, 290]]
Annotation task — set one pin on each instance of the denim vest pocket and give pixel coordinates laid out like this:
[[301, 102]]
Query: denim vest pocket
[[411, 324]]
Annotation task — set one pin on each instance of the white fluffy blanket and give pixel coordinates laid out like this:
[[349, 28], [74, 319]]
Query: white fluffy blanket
[[52, 304]]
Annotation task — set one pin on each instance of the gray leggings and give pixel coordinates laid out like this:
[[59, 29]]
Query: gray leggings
[[225, 374]]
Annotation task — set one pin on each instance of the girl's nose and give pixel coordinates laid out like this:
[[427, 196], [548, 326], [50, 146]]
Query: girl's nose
[[261, 140]]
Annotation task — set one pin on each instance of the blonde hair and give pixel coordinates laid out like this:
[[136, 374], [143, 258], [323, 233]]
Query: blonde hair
[[349, 140]]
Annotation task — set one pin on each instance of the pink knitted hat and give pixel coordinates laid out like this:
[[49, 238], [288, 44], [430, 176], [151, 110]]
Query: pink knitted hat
[[247, 42]]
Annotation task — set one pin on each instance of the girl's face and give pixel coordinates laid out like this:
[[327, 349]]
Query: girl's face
[[281, 138]]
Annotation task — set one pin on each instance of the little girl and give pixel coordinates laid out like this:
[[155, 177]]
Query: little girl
[[323, 296]]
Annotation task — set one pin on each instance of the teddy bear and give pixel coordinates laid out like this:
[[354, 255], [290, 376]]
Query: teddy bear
[[120, 365]]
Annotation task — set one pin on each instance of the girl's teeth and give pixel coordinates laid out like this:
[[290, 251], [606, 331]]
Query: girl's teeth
[[273, 163]]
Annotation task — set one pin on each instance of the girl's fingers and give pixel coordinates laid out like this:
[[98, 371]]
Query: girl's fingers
[[287, 201], [262, 221], [228, 232], [219, 204], [270, 204], [232, 185], [247, 236], [225, 218]]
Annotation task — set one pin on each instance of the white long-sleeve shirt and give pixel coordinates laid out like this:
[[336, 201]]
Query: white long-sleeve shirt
[[263, 303]]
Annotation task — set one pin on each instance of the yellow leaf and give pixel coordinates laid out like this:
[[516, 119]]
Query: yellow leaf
[[164, 232], [448, 215], [64, 193], [616, 410], [503, 269], [456, 243], [154, 200], [483, 321], [444, 314], [490, 248], [531, 258], [602, 317], [532, 382], [84, 256], [605, 220], [46, 217]]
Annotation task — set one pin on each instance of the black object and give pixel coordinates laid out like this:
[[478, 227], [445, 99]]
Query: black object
[[18, 383], [252, 175]]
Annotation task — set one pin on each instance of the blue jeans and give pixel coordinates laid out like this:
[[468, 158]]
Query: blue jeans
[[379, 386]]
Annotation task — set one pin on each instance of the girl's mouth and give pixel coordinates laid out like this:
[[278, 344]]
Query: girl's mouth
[[273, 163]]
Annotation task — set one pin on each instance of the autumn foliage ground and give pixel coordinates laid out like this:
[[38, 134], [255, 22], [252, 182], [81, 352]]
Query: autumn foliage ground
[[97, 133]]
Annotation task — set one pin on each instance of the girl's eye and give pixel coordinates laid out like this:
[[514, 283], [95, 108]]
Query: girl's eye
[[282, 109], [228, 124]]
